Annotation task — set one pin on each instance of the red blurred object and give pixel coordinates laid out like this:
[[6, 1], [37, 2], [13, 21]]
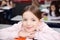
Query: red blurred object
[[27, 1], [20, 38], [42, 1], [22, 0], [0, 2]]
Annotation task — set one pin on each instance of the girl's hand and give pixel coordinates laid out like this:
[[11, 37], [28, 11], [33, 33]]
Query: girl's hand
[[23, 34], [31, 35], [27, 35]]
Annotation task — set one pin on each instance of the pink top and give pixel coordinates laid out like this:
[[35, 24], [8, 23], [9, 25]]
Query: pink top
[[46, 32]]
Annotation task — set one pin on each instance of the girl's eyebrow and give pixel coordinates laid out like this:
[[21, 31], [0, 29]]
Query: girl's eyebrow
[[32, 18]]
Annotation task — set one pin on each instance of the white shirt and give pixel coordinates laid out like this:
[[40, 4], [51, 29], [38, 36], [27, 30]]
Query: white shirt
[[53, 14], [46, 32]]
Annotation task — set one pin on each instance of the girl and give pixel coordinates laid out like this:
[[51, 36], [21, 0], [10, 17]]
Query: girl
[[30, 28]]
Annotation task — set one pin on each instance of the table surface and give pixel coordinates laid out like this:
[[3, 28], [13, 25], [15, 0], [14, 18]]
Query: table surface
[[4, 26], [5, 8], [17, 18]]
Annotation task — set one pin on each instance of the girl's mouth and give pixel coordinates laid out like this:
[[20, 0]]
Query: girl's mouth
[[29, 27]]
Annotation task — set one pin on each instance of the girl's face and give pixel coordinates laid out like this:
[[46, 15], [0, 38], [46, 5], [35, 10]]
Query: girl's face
[[30, 21], [53, 8]]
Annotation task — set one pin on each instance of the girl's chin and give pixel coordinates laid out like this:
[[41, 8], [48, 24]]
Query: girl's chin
[[30, 30]]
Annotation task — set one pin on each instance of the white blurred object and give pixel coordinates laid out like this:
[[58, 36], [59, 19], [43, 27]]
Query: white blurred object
[[17, 18], [45, 10], [1, 10], [6, 8]]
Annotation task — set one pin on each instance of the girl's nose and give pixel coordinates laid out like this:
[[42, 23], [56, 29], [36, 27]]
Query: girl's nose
[[28, 23]]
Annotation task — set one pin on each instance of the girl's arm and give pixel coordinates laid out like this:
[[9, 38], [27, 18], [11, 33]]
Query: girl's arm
[[10, 32]]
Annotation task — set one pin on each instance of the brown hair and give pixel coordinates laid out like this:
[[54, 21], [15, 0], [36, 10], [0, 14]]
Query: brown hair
[[35, 3], [34, 10]]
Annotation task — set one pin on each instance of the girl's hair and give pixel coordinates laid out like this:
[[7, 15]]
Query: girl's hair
[[35, 3], [56, 10], [36, 11]]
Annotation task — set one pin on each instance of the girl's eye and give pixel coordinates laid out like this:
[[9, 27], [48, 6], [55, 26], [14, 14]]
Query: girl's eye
[[33, 20], [24, 19]]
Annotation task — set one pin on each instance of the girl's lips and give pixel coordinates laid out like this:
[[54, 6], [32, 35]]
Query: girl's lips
[[29, 27]]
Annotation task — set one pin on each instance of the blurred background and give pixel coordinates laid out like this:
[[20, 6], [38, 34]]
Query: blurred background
[[11, 11]]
